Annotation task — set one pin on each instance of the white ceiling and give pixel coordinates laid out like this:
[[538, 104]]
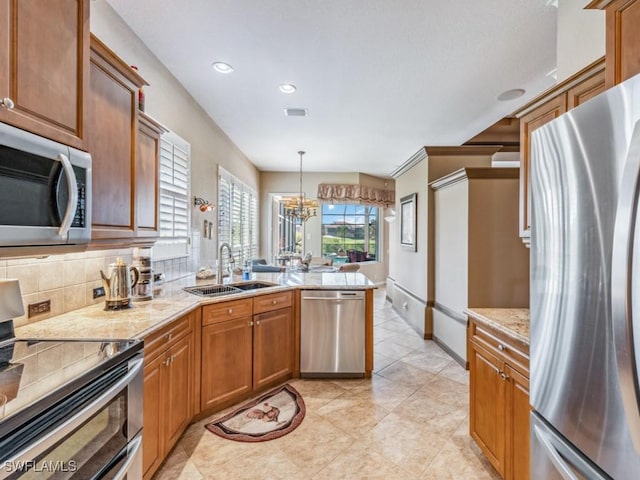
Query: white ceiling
[[381, 78]]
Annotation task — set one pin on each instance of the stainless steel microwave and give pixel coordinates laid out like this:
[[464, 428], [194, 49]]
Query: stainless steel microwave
[[45, 192]]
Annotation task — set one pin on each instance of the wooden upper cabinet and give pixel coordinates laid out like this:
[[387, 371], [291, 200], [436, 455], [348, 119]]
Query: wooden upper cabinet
[[570, 93], [124, 146], [44, 67], [585, 90], [536, 118], [622, 38], [146, 176]]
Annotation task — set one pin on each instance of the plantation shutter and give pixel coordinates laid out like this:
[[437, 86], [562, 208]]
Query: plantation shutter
[[174, 186], [237, 218]]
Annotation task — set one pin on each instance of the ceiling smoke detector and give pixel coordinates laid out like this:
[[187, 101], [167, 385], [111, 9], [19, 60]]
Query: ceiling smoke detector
[[296, 112], [287, 88]]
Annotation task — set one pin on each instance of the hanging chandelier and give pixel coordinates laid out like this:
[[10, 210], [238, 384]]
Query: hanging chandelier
[[300, 208]]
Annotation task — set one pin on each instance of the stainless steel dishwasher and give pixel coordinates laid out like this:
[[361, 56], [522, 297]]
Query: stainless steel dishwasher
[[332, 333]]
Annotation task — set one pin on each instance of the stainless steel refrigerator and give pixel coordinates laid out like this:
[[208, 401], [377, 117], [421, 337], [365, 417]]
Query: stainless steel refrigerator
[[585, 290]]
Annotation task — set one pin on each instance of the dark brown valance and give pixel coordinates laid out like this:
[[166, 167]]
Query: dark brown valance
[[355, 194]]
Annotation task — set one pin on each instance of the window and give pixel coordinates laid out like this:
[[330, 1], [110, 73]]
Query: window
[[237, 217], [175, 162], [350, 232]]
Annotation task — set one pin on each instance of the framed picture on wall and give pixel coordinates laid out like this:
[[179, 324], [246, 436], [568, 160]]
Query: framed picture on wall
[[408, 222]]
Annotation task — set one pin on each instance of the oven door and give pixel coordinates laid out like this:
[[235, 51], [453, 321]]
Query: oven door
[[96, 433]]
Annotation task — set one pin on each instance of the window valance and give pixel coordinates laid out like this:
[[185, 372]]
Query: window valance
[[356, 194]]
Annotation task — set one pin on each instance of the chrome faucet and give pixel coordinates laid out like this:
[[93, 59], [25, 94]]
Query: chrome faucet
[[231, 261]]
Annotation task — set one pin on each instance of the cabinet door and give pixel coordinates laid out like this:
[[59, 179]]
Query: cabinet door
[[146, 179], [44, 58], [272, 346], [623, 40], [585, 90], [487, 406], [519, 423], [154, 392], [226, 361], [112, 122], [528, 123], [178, 390]]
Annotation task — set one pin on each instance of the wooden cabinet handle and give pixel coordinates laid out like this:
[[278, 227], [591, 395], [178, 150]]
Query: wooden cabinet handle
[[7, 103]]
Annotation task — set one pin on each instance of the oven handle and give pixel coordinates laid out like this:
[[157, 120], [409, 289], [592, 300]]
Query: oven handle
[[133, 449], [53, 436], [72, 201]]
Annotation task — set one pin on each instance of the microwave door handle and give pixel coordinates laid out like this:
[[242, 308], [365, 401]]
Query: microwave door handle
[[622, 284], [72, 201]]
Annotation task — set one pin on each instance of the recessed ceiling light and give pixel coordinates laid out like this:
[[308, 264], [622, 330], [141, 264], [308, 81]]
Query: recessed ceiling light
[[287, 88], [222, 67], [511, 94]]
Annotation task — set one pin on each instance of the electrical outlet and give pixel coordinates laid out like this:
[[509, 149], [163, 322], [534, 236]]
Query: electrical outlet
[[39, 308], [98, 292]]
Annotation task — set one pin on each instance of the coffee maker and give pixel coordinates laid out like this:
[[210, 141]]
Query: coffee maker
[[143, 290]]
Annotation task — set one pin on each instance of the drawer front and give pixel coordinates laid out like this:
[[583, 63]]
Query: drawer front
[[500, 346], [221, 312], [273, 301], [165, 338]]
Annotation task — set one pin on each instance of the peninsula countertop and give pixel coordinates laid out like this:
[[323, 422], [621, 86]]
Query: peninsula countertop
[[513, 322], [171, 302]]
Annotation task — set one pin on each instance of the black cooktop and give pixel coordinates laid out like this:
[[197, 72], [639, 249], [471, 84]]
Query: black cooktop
[[35, 374]]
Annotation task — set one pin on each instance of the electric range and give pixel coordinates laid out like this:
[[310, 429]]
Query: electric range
[[70, 406]]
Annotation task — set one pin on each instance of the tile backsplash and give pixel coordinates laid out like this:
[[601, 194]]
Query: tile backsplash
[[68, 280]]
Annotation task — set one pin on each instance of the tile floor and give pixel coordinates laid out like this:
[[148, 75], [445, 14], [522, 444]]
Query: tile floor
[[410, 421]]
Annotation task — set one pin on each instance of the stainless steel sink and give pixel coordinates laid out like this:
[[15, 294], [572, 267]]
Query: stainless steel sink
[[253, 285], [212, 290], [219, 290]]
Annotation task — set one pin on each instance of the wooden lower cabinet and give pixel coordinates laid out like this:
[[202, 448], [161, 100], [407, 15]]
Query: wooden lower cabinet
[[247, 353], [272, 346], [168, 390], [518, 424], [226, 361], [499, 403], [487, 406]]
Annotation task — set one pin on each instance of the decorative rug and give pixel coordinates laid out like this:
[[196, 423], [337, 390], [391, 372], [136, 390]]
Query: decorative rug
[[273, 415]]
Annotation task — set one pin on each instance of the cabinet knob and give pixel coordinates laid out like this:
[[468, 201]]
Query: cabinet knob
[[504, 376], [257, 322], [169, 336], [501, 347], [7, 103], [167, 361], [274, 302], [251, 324], [230, 311]]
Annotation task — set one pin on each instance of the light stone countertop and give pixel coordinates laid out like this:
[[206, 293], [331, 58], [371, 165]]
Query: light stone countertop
[[170, 303], [511, 321]]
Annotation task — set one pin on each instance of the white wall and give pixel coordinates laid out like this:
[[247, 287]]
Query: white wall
[[581, 37], [408, 268], [169, 103]]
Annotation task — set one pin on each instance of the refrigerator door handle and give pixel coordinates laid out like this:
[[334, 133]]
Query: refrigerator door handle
[[621, 286], [561, 466]]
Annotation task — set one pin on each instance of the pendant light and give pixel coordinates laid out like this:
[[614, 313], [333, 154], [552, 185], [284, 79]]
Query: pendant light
[[300, 208]]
